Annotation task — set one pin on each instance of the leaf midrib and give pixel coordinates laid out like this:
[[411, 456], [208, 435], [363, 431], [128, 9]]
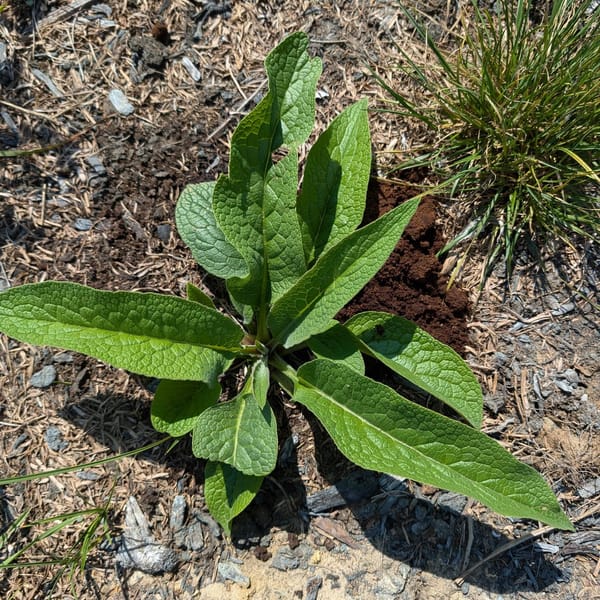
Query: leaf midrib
[[60, 326], [469, 482]]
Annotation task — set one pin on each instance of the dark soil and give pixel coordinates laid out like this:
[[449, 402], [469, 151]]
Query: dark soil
[[411, 283]]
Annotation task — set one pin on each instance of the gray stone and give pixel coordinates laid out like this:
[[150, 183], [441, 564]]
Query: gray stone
[[590, 488], [565, 386], [43, 378], [163, 232], [229, 570], [53, 437], [570, 375], [120, 103], [138, 549], [178, 511], [285, 560], [97, 165], [190, 67], [82, 224], [88, 475]]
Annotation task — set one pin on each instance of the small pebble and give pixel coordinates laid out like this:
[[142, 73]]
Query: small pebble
[[120, 103], [565, 386], [230, 571], [43, 378], [564, 309], [546, 548], [590, 488], [53, 437], [285, 560], [63, 358], [570, 375], [96, 164], [163, 232], [190, 67], [194, 537], [178, 512], [88, 475], [82, 224]]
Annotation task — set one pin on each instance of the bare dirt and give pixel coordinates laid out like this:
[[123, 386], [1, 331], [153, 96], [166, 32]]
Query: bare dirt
[[98, 209]]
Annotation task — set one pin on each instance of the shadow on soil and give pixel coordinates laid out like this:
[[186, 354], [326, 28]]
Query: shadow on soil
[[427, 533]]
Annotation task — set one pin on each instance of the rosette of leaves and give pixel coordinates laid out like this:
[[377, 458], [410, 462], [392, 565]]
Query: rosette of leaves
[[291, 260]]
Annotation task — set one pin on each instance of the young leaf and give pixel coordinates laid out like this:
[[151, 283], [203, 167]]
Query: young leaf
[[195, 294], [339, 345], [332, 201], [239, 433], [198, 228], [150, 334], [254, 203], [378, 429], [177, 404], [272, 247], [308, 307], [228, 492], [421, 359]]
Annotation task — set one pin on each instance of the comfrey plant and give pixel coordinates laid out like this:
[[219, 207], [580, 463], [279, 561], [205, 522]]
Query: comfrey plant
[[291, 262]]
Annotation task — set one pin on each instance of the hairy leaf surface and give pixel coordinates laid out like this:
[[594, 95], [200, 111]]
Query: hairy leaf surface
[[239, 433], [254, 203], [380, 430], [150, 334], [421, 359], [332, 201], [308, 307], [198, 228], [177, 404], [228, 492], [339, 345], [195, 294]]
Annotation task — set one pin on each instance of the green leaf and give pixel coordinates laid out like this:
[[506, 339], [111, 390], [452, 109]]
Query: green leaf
[[254, 204], [241, 433], [177, 404], [261, 382], [332, 201], [307, 308], [228, 492], [421, 359], [198, 228], [150, 334], [195, 294], [339, 345], [380, 430], [273, 245]]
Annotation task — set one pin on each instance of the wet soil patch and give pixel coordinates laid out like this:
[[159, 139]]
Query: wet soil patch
[[411, 283]]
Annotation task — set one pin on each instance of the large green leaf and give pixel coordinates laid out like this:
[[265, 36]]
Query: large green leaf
[[228, 492], [332, 201], [198, 228], [421, 359], [380, 430], [339, 345], [159, 336], [177, 404], [241, 433], [254, 204], [272, 244], [307, 308]]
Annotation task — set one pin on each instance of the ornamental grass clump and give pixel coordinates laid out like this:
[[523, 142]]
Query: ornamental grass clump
[[516, 117], [291, 261]]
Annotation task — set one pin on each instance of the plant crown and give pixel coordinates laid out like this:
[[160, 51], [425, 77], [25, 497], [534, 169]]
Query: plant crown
[[291, 261]]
